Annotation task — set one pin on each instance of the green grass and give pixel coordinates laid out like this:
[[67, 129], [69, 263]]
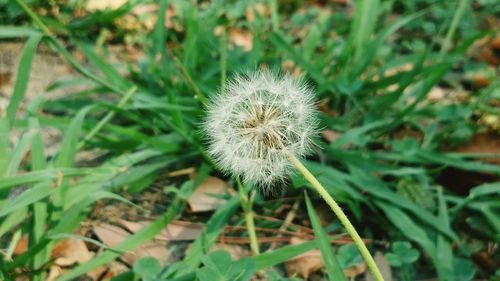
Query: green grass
[[385, 168]]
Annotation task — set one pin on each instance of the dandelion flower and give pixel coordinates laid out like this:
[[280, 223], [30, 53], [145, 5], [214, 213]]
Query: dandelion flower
[[258, 122], [258, 130]]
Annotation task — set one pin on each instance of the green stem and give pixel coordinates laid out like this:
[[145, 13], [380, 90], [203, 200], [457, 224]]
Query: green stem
[[453, 27], [246, 204], [341, 216]]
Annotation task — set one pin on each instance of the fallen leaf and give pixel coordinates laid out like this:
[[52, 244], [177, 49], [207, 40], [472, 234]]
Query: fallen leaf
[[175, 231], [99, 5], [436, 94], [22, 246], [202, 200], [354, 271], [54, 272], [237, 37], [112, 235], [260, 8], [483, 143], [115, 268], [182, 172], [5, 78], [330, 135], [306, 263], [152, 8], [241, 38], [70, 251]]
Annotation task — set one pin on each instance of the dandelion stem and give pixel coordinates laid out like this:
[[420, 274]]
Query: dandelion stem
[[246, 204], [341, 216]]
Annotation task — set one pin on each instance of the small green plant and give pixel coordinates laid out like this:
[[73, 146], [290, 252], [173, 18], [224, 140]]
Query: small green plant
[[403, 256], [218, 266]]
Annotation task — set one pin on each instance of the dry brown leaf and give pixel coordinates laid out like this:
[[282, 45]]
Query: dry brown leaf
[[202, 200], [306, 263], [70, 251], [330, 135], [260, 8], [183, 172], [152, 9], [483, 143], [237, 37], [98, 5], [436, 94], [112, 235], [175, 231], [241, 38], [22, 246], [54, 272], [115, 268], [354, 271]]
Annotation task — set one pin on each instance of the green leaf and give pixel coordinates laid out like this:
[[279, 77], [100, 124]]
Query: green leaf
[[28, 197], [331, 263], [23, 74], [148, 268], [209, 274], [394, 260], [405, 252], [464, 269], [411, 230], [68, 149], [17, 32], [349, 255], [275, 257], [219, 260], [242, 269]]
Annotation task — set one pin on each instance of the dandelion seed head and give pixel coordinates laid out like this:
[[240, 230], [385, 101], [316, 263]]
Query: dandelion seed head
[[257, 122]]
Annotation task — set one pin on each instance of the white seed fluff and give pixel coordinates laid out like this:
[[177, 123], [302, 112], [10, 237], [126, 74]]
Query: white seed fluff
[[256, 124]]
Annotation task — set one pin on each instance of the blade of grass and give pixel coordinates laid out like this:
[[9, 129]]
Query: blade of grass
[[363, 25], [411, 230], [28, 197], [444, 251], [106, 118], [49, 174], [23, 74], [13, 220], [8, 32], [160, 35], [332, 265], [457, 16], [110, 72], [39, 209], [5, 150], [52, 41]]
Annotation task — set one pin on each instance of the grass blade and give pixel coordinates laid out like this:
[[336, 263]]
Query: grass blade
[[23, 74], [332, 265]]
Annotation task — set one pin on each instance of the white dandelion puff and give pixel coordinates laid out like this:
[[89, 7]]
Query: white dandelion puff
[[258, 122]]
